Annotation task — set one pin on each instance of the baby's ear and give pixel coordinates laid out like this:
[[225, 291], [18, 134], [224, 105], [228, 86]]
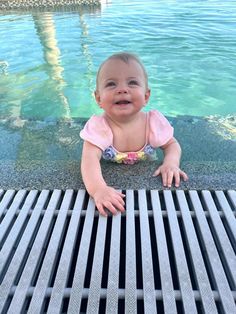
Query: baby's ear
[[97, 97], [147, 95]]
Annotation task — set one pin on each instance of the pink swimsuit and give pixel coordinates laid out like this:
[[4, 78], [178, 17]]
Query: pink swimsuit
[[98, 132]]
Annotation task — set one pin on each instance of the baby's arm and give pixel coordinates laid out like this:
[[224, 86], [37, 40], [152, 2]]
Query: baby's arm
[[169, 170], [105, 197]]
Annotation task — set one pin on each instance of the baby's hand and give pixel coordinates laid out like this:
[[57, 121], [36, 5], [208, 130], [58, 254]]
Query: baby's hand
[[110, 199], [170, 173]]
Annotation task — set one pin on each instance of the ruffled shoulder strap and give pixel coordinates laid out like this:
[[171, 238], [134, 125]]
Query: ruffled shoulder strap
[[160, 130], [97, 132]]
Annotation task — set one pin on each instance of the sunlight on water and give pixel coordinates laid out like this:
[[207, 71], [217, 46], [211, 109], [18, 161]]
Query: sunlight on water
[[48, 60]]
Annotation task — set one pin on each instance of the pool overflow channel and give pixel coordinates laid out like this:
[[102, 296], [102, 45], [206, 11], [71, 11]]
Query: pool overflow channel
[[170, 252]]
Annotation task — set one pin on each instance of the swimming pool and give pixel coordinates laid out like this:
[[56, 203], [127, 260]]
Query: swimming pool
[[48, 62], [49, 59]]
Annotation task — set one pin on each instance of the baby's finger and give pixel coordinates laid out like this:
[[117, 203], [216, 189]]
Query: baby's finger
[[156, 173], [184, 175], [170, 178], [120, 200], [164, 179], [110, 207], [121, 194], [101, 210], [119, 204], [177, 179], [120, 208]]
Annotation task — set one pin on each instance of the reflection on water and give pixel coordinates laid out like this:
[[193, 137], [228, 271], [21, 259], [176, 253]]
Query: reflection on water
[[3, 67], [224, 126], [46, 31], [36, 141], [37, 90]]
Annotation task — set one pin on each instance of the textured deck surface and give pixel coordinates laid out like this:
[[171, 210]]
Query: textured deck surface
[[171, 252]]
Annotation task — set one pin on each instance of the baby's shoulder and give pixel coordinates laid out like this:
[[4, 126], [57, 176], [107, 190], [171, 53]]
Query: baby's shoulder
[[154, 114], [97, 132], [95, 119], [160, 130], [97, 123]]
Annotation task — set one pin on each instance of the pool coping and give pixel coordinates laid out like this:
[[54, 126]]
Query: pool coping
[[66, 175], [44, 4]]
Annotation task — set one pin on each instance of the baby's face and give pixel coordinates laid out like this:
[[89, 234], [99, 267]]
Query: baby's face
[[121, 87]]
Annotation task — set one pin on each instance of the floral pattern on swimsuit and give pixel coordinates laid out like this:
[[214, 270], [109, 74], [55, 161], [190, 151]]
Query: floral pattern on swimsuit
[[129, 158]]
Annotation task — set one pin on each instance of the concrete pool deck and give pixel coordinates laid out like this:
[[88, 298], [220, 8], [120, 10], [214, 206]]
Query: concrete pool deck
[[46, 155], [66, 175]]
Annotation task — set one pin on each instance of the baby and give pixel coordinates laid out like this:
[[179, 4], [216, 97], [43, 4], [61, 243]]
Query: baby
[[124, 133]]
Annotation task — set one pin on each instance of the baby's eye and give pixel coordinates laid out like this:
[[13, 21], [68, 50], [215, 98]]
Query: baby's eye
[[110, 84], [133, 82]]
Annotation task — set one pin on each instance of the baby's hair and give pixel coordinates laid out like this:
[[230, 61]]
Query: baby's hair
[[125, 57]]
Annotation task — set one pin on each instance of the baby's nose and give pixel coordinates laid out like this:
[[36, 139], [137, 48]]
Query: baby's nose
[[122, 90]]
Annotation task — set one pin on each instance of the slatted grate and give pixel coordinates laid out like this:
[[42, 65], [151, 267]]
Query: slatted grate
[[171, 252]]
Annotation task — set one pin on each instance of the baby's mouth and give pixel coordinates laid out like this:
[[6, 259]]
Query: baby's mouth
[[122, 102]]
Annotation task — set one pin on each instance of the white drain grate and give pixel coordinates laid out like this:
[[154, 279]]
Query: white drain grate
[[171, 252]]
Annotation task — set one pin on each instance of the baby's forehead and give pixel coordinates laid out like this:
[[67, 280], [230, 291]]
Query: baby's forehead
[[116, 65], [116, 61]]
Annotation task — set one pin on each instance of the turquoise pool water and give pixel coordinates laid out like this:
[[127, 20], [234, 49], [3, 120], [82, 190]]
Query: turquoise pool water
[[48, 60]]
